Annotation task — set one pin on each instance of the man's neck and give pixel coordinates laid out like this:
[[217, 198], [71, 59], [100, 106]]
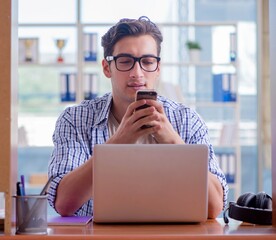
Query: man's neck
[[118, 111]]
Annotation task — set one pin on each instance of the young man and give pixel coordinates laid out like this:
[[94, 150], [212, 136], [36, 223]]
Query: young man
[[131, 61]]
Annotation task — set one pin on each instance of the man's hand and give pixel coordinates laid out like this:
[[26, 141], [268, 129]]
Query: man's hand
[[165, 132], [131, 127]]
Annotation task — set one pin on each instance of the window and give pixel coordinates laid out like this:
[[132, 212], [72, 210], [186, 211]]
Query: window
[[39, 85]]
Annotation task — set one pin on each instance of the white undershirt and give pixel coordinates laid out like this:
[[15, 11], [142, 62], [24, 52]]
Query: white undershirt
[[113, 126]]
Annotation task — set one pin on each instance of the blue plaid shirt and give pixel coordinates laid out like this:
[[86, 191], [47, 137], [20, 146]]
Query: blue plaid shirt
[[80, 128]]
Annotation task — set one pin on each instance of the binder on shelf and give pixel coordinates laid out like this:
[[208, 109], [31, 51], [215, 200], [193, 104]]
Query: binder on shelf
[[68, 87], [224, 87], [222, 158], [230, 176], [227, 162], [233, 47], [220, 87], [90, 41], [90, 86], [233, 87]]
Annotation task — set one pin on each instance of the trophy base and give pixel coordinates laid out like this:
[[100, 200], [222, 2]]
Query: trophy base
[[60, 60], [28, 59]]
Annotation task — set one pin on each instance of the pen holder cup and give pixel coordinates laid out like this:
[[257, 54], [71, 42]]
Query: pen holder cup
[[31, 214]]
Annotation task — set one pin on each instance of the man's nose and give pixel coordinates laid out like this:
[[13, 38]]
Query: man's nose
[[137, 65], [136, 71]]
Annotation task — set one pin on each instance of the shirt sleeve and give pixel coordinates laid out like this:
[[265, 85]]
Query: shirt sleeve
[[200, 135], [70, 151]]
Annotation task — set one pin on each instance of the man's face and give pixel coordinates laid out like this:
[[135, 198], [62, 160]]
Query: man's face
[[125, 84]]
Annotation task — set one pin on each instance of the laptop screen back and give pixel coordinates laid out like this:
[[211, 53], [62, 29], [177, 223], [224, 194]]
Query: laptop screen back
[[150, 183]]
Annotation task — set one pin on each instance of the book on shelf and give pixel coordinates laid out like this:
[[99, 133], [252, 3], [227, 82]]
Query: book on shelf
[[90, 85], [90, 45], [224, 87], [68, 87], [227, 162]]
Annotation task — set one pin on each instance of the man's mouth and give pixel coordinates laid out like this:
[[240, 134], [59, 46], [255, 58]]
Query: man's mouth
[[137, 86]]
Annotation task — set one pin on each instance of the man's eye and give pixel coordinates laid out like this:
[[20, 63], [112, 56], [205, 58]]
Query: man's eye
[[124, 61], [148, 61]]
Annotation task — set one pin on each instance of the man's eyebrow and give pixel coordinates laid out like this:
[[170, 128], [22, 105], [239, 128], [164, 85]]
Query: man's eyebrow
[[124, 55], [149, 55], [129, 55]]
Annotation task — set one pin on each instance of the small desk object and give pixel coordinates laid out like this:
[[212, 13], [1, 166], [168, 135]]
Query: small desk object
[[212, 229]]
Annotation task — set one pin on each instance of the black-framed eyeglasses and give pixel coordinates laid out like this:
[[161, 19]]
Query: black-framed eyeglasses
[[125, 63]]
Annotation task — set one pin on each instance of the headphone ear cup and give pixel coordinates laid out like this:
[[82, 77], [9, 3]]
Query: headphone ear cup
[[263, 201], [246, 200], [252, 208]]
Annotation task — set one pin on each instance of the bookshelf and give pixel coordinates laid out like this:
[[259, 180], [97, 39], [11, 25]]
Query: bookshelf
[[175, 65], [201, 82]]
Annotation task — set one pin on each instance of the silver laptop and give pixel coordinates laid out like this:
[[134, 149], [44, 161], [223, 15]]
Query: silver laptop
[[150, 183]]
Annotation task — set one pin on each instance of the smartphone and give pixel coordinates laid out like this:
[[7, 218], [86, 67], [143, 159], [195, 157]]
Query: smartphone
[[145, 94]]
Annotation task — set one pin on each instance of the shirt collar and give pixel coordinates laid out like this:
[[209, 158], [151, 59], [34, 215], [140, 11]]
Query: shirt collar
[[102, 117]]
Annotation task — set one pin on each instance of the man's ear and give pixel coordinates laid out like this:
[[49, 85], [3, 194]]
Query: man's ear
[[106, 68]]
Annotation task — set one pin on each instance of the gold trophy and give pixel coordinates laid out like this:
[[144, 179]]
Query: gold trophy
[[60, 43], [28, 43]]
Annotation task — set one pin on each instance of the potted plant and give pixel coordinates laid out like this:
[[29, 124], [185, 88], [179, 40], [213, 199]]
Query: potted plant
[[194, 50]]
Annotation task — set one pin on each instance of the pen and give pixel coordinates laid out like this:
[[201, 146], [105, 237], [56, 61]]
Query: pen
[[23, 185], [19, 189], [44, 190]]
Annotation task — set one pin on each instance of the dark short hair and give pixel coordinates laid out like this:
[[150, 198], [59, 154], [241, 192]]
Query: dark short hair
[[130, 27]]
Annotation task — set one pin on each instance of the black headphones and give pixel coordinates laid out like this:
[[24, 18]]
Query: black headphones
[[251, 208]]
